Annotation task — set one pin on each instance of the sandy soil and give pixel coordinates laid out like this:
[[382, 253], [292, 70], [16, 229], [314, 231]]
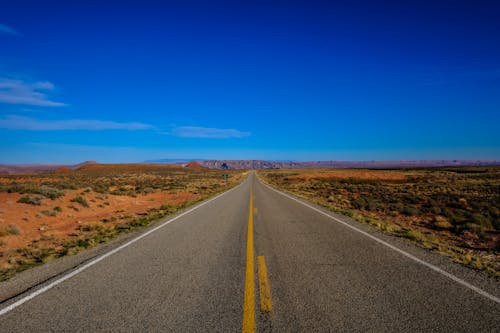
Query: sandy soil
[[34, 225], [357, 174]]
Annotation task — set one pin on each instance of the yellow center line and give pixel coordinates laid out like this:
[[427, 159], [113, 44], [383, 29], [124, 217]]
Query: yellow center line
[[265, 290], [249, 303]]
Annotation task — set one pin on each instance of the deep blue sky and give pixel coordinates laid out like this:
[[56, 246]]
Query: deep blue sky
[[285, 80]]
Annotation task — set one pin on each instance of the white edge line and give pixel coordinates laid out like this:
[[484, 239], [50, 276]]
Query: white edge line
[[104, 256], [406, 254]]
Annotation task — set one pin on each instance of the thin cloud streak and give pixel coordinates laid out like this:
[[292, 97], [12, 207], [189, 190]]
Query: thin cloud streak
[[15, 122], [22, 93], [5, 29], [207, 132], [29, 124]]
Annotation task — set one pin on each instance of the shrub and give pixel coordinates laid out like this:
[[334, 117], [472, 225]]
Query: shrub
[[100, 188], [410, 234], [48, 213], [435, 210], [81, 200], [471, 227], [458, 219], [52, 212], [50, 192], [482, 221], [441, 222], [13, 229], [148, 190], [372, 205], [167, 207], [32, 199], [409, 210]]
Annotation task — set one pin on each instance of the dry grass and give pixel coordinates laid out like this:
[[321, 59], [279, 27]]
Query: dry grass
[[46, 216], [453, 211]]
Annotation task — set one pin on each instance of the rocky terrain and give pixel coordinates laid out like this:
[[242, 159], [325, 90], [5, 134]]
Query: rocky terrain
[[8, 169], [261, 164]]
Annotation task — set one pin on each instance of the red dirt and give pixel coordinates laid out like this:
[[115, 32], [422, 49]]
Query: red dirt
[[357, 174], [34, 225], [195, 165], [127, 167], [62, 170]]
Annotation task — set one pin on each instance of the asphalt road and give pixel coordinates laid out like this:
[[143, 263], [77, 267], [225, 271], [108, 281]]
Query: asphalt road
[[203, 273]]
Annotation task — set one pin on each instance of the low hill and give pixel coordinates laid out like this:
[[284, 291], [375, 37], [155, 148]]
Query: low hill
[[132, 167], [16, 169], [195, 165], [11, 169]]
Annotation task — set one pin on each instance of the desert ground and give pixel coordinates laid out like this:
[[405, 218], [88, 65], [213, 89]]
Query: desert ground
[[49, 215], [454, 211]]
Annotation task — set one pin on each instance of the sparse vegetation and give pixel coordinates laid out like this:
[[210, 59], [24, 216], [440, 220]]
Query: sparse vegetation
[[453, 210], [52, 212], [32, 188], [11, 229], [81, 200], [32, 199], [93, 206], [50, 192]]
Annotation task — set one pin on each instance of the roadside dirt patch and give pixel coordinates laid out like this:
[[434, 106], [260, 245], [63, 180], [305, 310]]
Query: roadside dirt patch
[[34, 222], [355, 174], [453, 211], [50, 215]]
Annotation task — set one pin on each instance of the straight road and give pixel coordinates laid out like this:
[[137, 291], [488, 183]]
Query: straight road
[[256, 260]]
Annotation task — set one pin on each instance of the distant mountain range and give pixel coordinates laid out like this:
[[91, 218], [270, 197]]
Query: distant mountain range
[[173, 160], [261, 164], [7, 169]]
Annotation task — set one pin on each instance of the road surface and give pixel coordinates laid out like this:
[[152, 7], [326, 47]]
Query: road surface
[[297, 270]]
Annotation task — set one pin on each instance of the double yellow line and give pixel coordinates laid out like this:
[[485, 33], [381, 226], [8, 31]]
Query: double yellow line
[[265, 290]]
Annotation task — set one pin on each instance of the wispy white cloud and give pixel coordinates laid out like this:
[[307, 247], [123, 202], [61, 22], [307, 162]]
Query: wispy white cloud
[[23, 93], [43, 85], [207, 132], [16, 122], [13, 122], [5, 29]]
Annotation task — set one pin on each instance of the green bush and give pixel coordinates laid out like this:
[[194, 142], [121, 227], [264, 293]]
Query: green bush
[[50, 192], [167, 207], [81, 200], [482, 221], [442, 223], [48, 213], [435, 210], [458, 219], [372, 205], [53, 212], [46, 191], [409, 210], [13, 229], [470, 227], [359, 203], [32, 199]]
